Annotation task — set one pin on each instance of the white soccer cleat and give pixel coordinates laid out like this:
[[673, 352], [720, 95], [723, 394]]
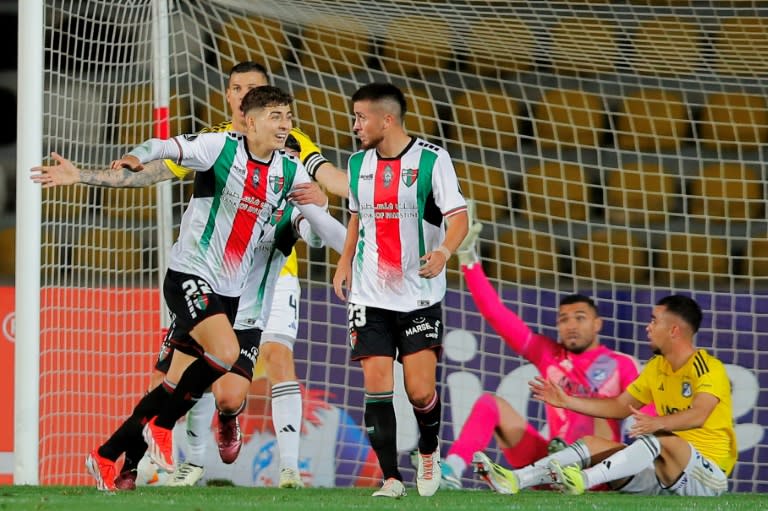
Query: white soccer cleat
[[186, 474], [428, 473], [391, 488], [290, 478]]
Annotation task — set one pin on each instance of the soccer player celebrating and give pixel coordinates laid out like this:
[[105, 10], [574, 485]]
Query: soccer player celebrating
[[241, 181], [577, 362], [277, 339], [403, 190], [688, 448]]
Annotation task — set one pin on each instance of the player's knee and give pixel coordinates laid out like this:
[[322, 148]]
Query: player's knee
[[486, 402], [421, 397], [229, 403], [278, 362], [227, 353], [230, 392]]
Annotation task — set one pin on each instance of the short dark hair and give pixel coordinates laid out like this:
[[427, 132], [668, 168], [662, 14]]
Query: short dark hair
[[578, 298], [268, 95], [248, 66], [685, 308], [378, 91]]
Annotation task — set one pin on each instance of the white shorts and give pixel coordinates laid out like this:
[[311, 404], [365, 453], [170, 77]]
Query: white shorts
[[283, 322], [701, 478]]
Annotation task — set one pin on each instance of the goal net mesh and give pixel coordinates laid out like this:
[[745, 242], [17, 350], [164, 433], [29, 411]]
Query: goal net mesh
[[612, 148]]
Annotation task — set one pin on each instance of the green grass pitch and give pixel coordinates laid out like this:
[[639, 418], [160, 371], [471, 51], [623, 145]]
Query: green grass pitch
[[60, 498]]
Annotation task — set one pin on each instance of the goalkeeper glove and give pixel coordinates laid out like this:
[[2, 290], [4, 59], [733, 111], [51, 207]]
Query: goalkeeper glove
[[467, 252], [310, 154]]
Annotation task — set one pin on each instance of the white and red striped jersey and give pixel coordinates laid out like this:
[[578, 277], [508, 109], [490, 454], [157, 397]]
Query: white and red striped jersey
[[234, 197], [401, 203]]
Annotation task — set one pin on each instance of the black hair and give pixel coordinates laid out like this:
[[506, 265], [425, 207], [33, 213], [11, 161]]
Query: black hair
[[378, 91], [685, 308], [268, 95], [578, 298], [248, 66]]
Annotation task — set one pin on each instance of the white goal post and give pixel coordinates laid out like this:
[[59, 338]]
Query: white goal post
[[613, 148]]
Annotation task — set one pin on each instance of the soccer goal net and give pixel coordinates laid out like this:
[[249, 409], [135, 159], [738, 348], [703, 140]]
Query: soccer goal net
[[614, 149]]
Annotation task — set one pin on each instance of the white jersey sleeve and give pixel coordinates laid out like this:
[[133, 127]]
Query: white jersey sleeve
[[445, 186], [197, 152]]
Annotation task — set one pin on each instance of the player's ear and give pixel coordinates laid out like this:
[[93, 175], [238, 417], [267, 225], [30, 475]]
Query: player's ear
[[389, 119], [598, 324]]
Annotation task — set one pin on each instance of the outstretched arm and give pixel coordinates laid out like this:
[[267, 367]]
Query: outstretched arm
[[324, 225], [619, 407], [321, 170], [66, 173], [507, 324], [304, 227], [333, 179]]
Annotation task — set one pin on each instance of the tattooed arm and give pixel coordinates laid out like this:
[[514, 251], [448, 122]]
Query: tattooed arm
[[66, 173]]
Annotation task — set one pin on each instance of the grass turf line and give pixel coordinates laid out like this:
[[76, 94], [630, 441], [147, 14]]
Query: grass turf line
[[68, 498]]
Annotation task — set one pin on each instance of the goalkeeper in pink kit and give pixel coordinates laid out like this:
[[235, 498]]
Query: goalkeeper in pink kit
[[577, 360]]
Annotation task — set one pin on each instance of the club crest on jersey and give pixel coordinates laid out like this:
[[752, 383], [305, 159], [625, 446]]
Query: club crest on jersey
[[201, 302], [409, 176], [388, 175], [276, 183], [687, 390]]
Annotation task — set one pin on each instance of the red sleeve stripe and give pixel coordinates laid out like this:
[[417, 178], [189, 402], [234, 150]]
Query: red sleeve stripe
[[454, 211]]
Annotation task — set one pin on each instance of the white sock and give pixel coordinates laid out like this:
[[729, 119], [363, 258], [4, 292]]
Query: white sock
[[627, 462], [575, 454], [538, 473], [286, 418], [199, 428], [456, 463]]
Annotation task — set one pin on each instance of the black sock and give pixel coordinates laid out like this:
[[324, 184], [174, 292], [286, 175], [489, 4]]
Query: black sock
[[133, 453], [196, 378], [129, 433], [428, 420], [381, 424]]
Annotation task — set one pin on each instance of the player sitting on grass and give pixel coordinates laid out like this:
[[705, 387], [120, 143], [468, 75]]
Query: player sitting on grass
[[576, 360], [688, 449]]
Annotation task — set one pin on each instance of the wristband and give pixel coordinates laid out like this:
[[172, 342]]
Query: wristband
[[443, 250]]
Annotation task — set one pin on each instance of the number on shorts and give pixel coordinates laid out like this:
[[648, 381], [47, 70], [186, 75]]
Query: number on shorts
[[356, 315], [292, 303], [195, 287]]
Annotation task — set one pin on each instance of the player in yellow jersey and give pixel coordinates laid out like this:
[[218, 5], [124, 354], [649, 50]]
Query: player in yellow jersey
[[276, 348], [688, 448]]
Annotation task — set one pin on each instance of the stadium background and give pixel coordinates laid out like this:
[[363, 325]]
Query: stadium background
[[495, 159]]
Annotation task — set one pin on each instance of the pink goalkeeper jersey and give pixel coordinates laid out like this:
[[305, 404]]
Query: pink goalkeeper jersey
[[599, 372]]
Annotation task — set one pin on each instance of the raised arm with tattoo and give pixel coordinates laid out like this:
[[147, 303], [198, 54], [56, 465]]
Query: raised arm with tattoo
[[66, 173]]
